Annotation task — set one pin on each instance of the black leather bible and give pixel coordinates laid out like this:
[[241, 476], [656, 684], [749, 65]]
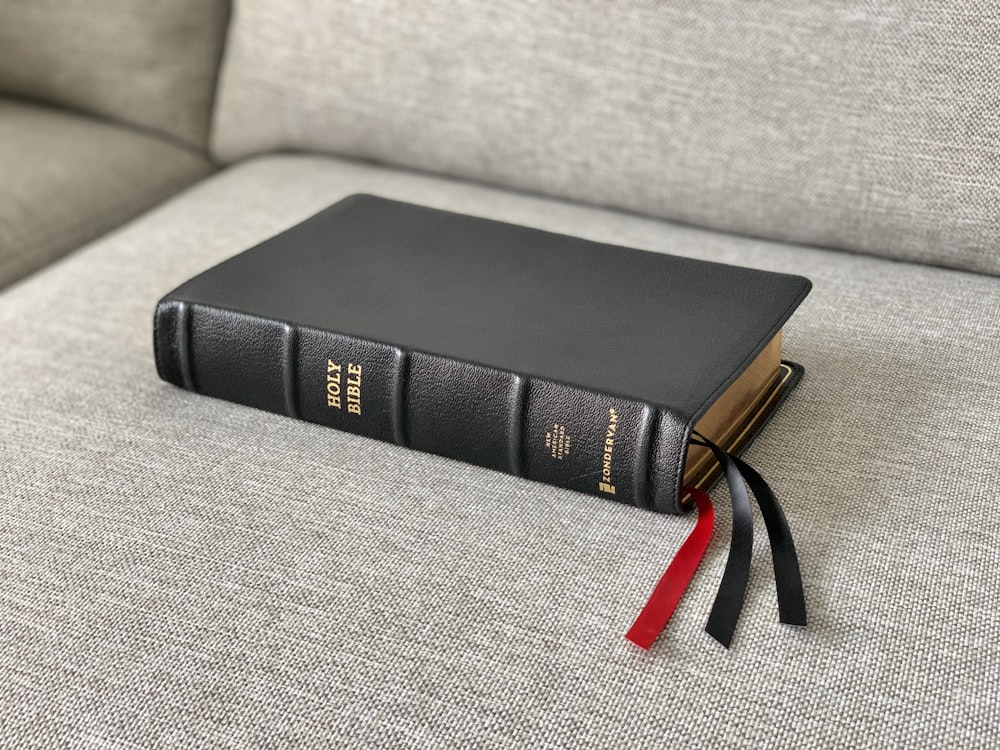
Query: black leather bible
[[557, 359]]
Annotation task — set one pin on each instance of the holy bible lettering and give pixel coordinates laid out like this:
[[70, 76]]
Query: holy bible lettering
[[335, 391]]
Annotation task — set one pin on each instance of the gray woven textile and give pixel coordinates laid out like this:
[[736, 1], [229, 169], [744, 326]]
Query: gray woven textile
[[66, 179], [151, 64], [872, 128], [181, 571]]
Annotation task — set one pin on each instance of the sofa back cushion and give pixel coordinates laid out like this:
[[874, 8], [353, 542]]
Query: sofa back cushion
[[870, 127], [150, 63]]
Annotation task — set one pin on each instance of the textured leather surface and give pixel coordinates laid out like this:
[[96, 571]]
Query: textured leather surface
[[666, 467], [619, 351], [255, 375], [383, 365], [463, 411], [587, 419]]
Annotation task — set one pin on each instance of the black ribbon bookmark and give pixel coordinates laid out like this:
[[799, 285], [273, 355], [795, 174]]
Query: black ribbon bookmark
[[787, 577], [732, 590]]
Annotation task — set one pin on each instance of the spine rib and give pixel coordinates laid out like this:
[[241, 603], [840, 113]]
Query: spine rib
[[290, 371], [518, 404], [399, 397], [643, 457], [184, 345]]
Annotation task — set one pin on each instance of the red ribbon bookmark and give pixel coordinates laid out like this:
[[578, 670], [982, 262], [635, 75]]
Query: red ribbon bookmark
[[663, 601]]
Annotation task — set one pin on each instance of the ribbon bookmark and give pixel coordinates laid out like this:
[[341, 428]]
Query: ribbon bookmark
[[732, 590], [733, 587], [728, 604], [787, 576], [667, 593]]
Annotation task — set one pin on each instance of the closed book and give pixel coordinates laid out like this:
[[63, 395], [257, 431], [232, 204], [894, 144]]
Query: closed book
[[561, 360]]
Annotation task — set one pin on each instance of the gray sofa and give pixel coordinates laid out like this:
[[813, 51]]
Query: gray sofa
[[178, 571]]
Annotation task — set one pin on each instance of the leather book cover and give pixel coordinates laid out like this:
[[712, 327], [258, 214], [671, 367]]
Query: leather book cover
[[576, 363]]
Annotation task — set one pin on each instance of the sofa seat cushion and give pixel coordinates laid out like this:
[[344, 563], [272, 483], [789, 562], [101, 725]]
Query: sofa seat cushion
[[67, 179], [180, 570]]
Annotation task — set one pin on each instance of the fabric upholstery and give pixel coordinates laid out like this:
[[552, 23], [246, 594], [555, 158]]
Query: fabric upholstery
[[151, 64], [870, 128], [182, 571], [67, 179]]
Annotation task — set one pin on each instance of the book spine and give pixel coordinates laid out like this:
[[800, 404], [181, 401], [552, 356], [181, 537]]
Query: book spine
[[546, 431]]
